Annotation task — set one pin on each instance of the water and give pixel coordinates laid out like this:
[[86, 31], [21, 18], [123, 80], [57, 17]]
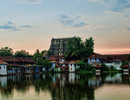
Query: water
[[65, 87]]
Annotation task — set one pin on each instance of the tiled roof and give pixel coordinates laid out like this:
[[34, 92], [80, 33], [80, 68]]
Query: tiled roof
[[2, 62], [56, 58], [98, 66], [110, 58], [71, 61], [18, 59], [125, 66]]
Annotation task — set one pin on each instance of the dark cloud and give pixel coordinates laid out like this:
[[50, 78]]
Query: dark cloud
[[126, 15], [128, 29], [63, 16], [28, 26], [120, 5], [9, 22], [81, 24], [72, 23], [67, 22], [9, 26]]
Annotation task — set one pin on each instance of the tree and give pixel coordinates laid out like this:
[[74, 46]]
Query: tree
[[6, 51], [37, 55], [129, 57], [77, 49], [47, 64], [124, 63], [104, 67], [22, 53]]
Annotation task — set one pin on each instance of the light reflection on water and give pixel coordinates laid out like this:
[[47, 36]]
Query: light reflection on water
[[65, 87]]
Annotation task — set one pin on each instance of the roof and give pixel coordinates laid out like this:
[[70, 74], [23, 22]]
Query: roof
[[95, 56], [2, 62], [18, 59], [52, 58], [125, 66], [98, 66], [71, 61], [110, 58]]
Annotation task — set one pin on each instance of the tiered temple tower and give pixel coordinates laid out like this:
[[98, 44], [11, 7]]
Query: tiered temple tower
[[59, 45]]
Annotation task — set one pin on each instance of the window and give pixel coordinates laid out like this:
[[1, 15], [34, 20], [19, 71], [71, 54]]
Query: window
[[70, 64], [0, 67], [4, 67], [71, 68]]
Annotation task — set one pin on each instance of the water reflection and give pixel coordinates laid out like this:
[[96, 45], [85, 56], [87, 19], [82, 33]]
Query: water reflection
[[59, 86]]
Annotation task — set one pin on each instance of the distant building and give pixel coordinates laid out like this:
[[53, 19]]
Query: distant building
[[3, 67], [59, 45]]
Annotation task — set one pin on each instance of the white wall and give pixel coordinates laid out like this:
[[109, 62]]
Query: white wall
[[71, 68], [61, 60], [2, 70]]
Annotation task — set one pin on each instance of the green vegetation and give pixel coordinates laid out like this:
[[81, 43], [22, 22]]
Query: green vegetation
[[84, 66], [129, 57], [38, 57], [6, 51], [22, 53], [77, 49], [124, 63], [104, 67]]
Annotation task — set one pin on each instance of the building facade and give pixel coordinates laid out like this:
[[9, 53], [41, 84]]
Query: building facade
[[59, 45]]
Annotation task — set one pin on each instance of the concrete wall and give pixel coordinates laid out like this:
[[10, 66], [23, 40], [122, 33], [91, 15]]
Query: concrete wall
[[71, 68], [3, 70], [61, 60]]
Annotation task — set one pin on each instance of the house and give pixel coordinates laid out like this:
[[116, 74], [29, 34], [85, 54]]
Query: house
[[97, 69], [62, 64], [18, 60], [3, 67], [96, 59], [109, 60], [125, 69]]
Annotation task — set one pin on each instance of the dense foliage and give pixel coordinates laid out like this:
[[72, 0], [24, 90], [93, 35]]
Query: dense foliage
[[38, 57], [77, 49], [124, 63], [6, 51], [104, 67], [85, 66], [129, 57], [22, 53]]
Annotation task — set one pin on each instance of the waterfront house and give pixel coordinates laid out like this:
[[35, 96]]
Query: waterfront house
[[125, 69], [108, 60], [3, 67], [18, 60], [96, 59], [97, 69], [62, 64]]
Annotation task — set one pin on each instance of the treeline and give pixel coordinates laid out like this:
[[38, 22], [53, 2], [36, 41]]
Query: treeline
[[6, 51]]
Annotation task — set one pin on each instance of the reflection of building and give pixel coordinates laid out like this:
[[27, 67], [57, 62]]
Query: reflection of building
[[3, 81], [59, 45], [95, 82]]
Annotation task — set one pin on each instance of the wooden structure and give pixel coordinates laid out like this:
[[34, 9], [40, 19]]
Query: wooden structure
[[125, 69], [97, 69]]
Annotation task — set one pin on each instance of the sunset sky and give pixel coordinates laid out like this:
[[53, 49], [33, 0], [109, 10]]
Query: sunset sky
[[31, 24]]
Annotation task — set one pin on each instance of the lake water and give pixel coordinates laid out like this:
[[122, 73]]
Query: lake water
[[65, 87]]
